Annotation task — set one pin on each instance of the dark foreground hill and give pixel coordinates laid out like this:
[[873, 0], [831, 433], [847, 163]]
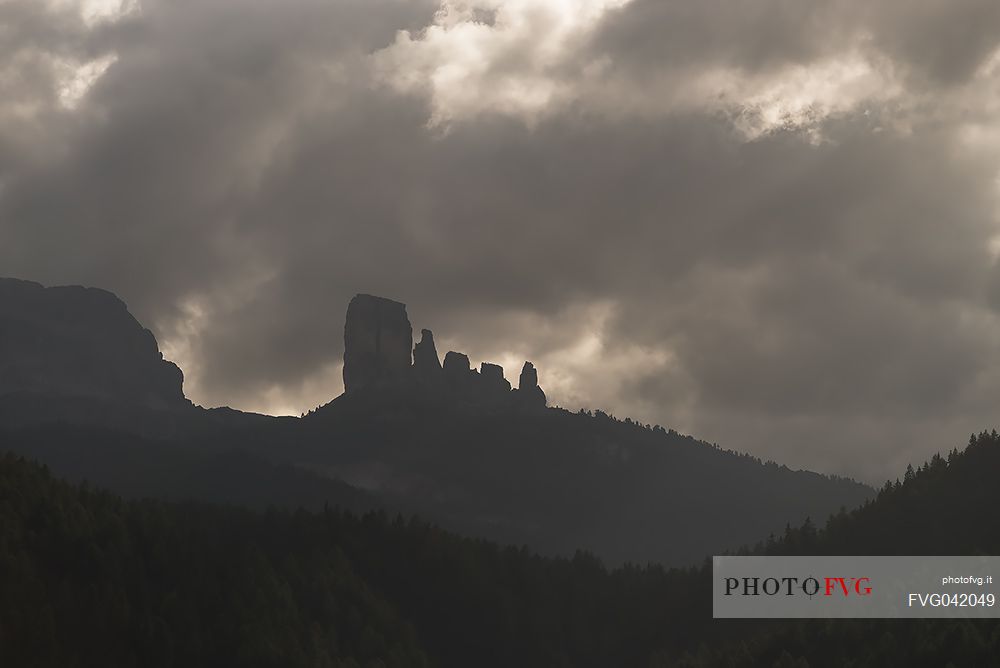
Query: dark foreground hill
[[90, 579], [559, 481], [947, 506], [84, 388]]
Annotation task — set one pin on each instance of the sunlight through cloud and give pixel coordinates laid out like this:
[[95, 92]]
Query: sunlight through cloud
[[491, 56]]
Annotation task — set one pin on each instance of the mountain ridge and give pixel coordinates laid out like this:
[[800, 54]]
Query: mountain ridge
[[457, 445]]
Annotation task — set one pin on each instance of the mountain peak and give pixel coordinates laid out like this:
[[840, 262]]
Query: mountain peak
[[377, 342], [379, 353], [72, 341]]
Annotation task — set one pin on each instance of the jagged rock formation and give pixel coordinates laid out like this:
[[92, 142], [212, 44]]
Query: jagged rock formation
[[528, 392], [80, 343], [456, 365], [528, 378], [492, 381], [426, 364], [457, 373], [378, 339]]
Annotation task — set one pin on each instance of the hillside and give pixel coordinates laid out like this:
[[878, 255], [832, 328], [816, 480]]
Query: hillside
[[948, 505], [95, 399], [559, 481], [92, 579]]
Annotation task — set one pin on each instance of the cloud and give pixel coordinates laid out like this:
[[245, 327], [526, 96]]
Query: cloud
[[772, 226], [493, 56]]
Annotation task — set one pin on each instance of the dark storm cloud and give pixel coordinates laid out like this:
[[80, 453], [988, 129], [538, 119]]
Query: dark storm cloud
[[815, 285]]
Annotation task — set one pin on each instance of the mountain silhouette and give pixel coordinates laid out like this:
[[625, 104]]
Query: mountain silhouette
[[81, 343], [87, 392], [379, 357]]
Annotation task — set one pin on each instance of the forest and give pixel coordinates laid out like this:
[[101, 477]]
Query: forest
[[90, 578]]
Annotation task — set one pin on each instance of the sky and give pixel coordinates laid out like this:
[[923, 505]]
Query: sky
[[771, 224]]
